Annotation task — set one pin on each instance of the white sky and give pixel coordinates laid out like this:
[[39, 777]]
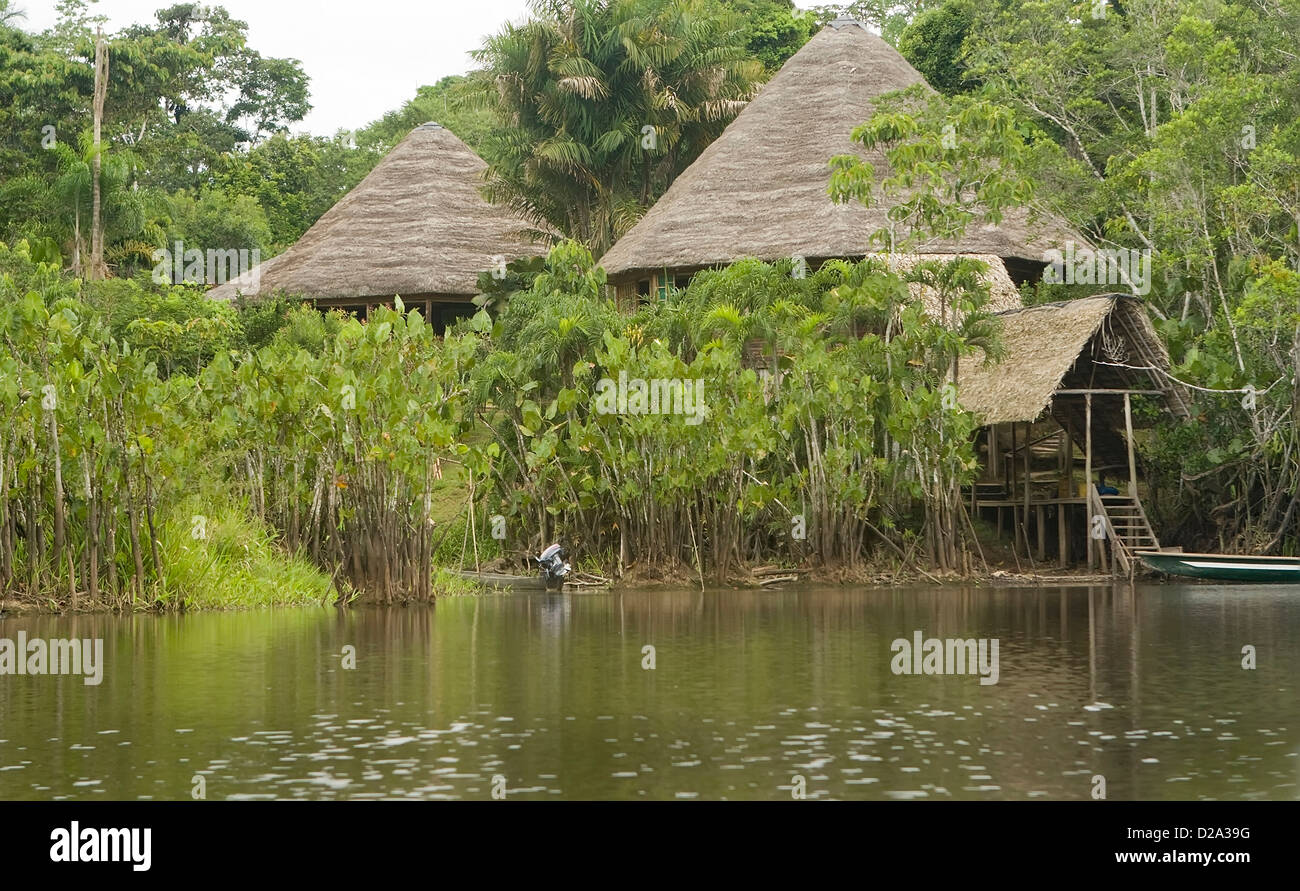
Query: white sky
[[363, 58]]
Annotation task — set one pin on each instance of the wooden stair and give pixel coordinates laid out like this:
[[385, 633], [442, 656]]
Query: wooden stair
[[1127, 527]]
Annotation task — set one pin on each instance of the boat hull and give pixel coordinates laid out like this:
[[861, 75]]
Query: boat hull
[[504, 582], [1225, 567]]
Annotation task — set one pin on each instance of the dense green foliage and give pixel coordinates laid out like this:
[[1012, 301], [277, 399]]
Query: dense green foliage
[[338, 442], [288, 182], [848, 433], [184, 93], [119, 439], [1168, 129], [159, 448], [106, 490], [775, 30], [933, 41]]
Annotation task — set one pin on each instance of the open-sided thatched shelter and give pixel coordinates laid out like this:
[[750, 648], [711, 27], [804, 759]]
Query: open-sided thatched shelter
[[1096, 343], [1068, 380], [760, 190], [417, 226]]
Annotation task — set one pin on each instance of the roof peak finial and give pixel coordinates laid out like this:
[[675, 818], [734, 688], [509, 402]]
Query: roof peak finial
[[844, 21], [430, 125]]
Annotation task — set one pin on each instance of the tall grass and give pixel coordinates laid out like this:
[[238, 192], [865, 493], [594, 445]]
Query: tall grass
[[215, 555]]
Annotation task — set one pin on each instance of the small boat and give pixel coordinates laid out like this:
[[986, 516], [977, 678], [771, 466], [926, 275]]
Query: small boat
[[552, 571], [502, 580], [1224, 567]]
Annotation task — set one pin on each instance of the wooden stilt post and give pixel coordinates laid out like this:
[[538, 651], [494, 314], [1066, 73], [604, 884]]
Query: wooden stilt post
[[1025, 519], [1062, 539], [1060, 461], [995, 455], [1087, 479], [975, 483], [1128, 432], [1069, 464], [1011, 486], [1004, 467], [1067, 473], [995, 469]]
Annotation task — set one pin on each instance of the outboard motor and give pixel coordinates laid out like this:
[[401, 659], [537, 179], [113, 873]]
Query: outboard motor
[[554, 569]]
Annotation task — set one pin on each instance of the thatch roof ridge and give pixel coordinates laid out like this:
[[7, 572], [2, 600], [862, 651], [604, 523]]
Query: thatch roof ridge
[[1057, 304], [416, 224], [760, 189], [1042, 345], [1003, 293]]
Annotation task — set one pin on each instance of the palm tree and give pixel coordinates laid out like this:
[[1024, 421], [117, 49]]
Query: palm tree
[[126, 210], [962, 292], [73, 187], [603, 103]]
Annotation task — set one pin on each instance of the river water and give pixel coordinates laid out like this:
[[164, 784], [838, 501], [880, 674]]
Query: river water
[[752, 695]]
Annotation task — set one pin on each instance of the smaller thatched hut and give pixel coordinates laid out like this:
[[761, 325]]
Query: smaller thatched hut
[[1068, 380], [417, 226]]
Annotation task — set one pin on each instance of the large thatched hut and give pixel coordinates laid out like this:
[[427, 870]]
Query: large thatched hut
[[417, 227], [1060, 419], [760, 190]]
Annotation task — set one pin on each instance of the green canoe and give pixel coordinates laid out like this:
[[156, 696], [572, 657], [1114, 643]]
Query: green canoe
[[1224, 567]]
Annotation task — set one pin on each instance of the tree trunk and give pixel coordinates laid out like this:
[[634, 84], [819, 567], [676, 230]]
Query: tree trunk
[[97, 268]]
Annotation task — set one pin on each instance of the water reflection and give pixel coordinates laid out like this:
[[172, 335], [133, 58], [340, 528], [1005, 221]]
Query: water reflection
[[751, 691]]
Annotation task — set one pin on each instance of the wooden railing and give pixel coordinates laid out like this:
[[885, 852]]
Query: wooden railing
[[1125, 527]]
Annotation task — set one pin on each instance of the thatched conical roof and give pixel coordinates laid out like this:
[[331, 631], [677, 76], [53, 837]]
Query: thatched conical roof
[[1104, 342], [760, 190], [417, 224]]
